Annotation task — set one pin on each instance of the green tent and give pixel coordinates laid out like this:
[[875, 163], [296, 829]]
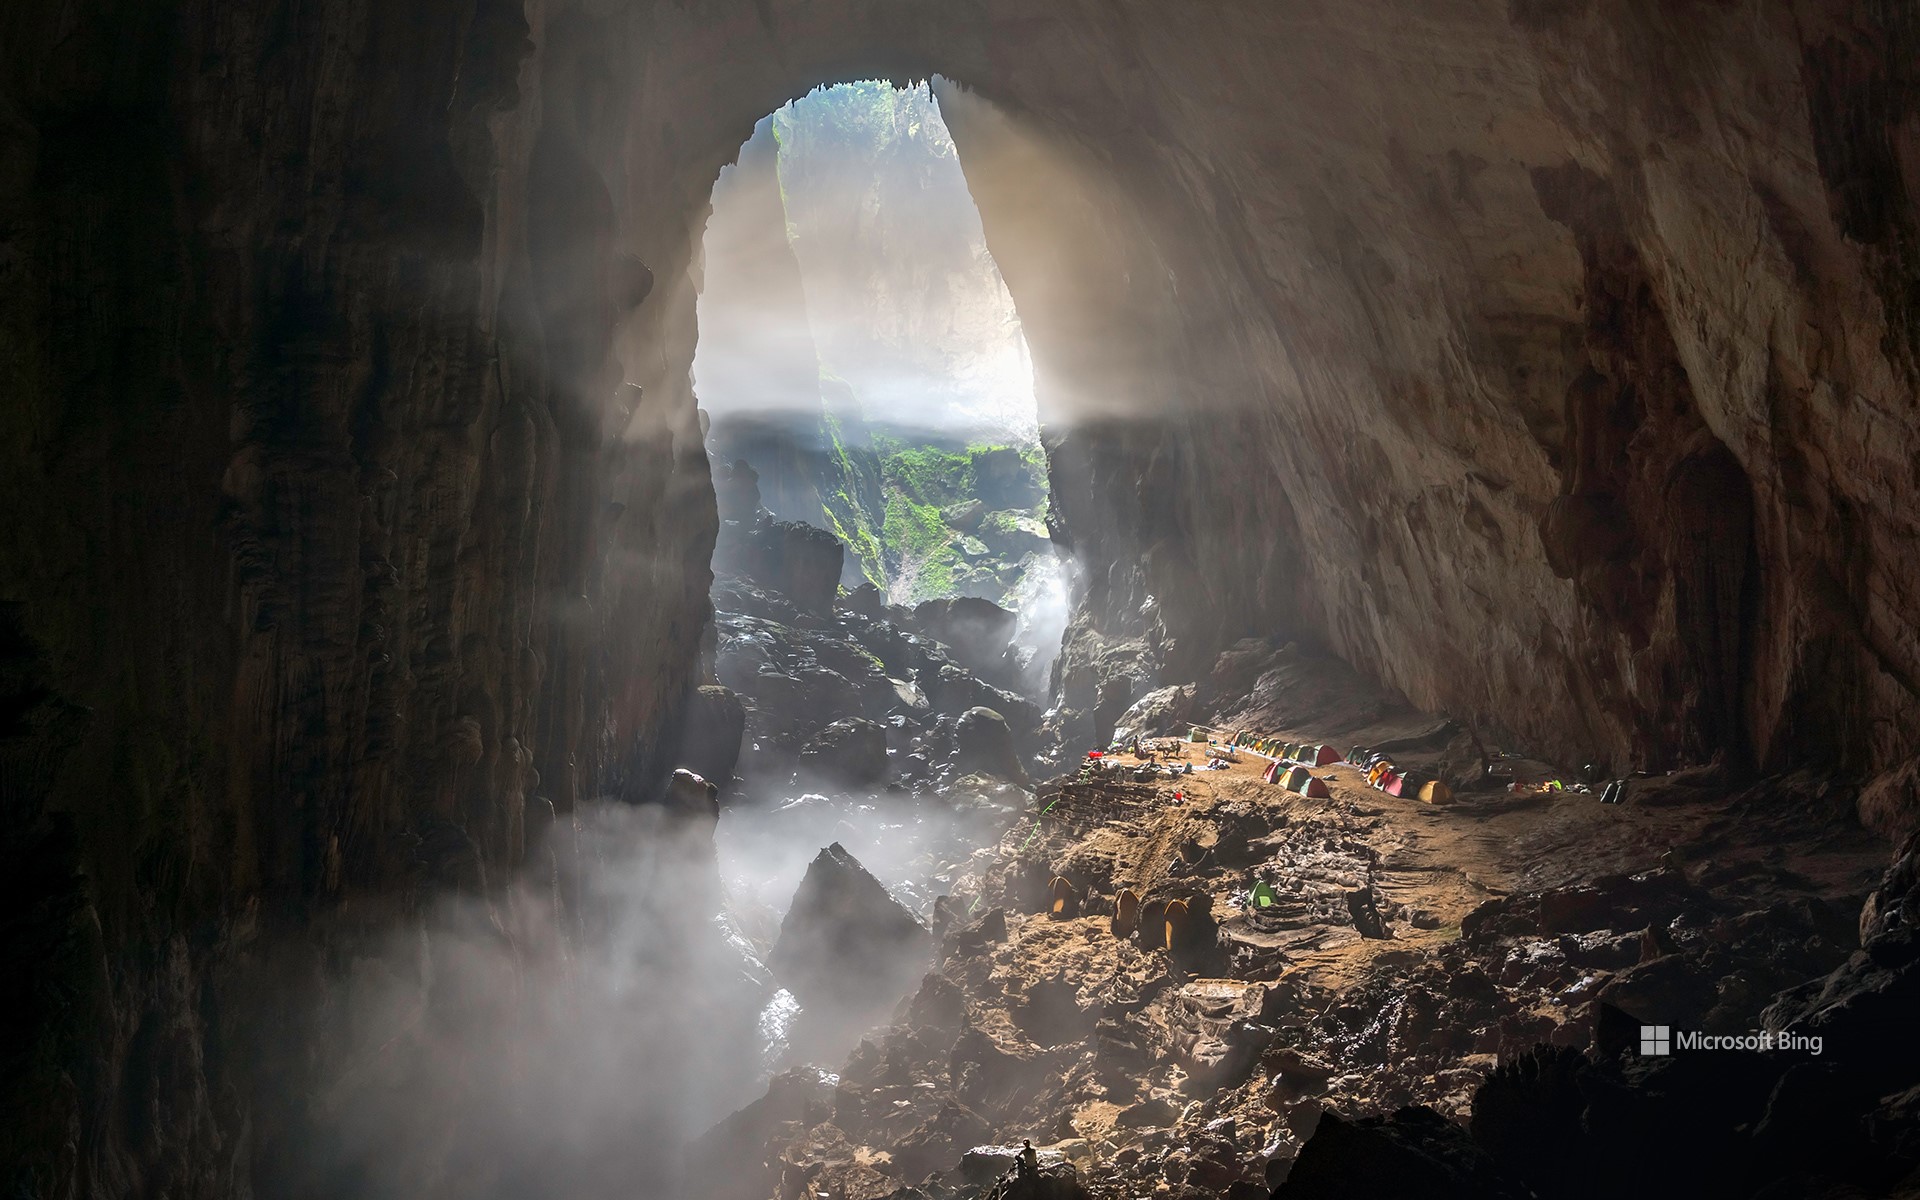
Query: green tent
[[1262, 896]]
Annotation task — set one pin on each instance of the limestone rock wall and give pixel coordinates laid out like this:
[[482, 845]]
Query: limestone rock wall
[[1553, 361], [338, 563]]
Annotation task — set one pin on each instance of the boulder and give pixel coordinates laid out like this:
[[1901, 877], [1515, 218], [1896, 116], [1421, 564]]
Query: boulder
[[983, 745], [736, 488], [1414, 1153], [689, 795], [965, 515], [790, 557], [1003, 479], [1159, 713], [866, 601], [851, 752], [710, 747], [977, 632], [845, 940]]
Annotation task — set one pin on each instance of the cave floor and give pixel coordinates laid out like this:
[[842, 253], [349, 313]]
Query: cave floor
[[1502, 920]]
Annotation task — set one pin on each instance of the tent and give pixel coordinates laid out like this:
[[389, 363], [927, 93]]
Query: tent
[[1296, 778], [1261, 896], [1315, 788], [1319, 756], [1064, 901], [1126, 913], [1272, 773], [1435, 792], [1195, 735], [1174, 917]]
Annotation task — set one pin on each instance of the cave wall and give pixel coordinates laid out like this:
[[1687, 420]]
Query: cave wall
[[338, 562], [1552, 361]]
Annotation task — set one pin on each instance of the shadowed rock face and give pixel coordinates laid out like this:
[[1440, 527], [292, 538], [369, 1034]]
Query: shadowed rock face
[[846, 944], [1547, 361]]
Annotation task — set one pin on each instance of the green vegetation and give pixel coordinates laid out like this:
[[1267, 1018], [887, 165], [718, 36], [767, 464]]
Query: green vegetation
[[927, 473], [884, 497], [889, 502], [922, 544], [1006, 522]]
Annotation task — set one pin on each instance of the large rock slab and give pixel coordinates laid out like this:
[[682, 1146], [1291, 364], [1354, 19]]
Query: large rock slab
[[851, 752], [845, 939], [983, 745], [792, 558]]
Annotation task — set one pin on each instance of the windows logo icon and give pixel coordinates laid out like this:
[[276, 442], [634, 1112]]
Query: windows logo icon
[[1656, 1040]]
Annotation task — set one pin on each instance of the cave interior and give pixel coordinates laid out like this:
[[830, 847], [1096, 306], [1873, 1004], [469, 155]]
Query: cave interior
[[1522, 390]]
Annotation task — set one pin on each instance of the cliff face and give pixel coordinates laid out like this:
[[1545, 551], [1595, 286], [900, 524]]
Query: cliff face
[[908, 306], [1552, 361], [339, 560], [1542, 360], [846, 224]]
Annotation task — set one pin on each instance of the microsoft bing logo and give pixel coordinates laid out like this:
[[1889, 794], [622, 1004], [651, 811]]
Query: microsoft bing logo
[[1656, 1039]]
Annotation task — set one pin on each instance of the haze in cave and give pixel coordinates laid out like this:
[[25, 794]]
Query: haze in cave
[[901, 600]]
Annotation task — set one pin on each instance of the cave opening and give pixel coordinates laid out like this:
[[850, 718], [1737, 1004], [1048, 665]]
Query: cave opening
[[888, 600], [863, 370]]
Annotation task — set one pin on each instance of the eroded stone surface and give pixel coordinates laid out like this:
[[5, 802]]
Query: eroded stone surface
[[1548, 361]]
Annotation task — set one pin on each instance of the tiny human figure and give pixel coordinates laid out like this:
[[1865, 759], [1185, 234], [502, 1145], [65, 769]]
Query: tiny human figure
[[1029, 1163]]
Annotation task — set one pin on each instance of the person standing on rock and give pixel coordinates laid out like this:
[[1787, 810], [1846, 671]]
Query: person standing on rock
[[1028, 1164]]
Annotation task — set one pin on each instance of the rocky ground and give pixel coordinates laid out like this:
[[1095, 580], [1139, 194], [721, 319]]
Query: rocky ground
[[840, 690], [1443, 999]]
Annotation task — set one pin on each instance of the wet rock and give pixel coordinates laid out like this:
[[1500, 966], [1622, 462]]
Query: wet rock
[[732, 1151], [1051, 1013], [689, 795], [939, 1004], [1416, 1154], [1673, 990], [865, 600], [845, 940], [851, 752], [1003, 479], [965, 515], [988, 1071], [975, 936], [789, 557], [983, 744], [939, 1141], [976, 631]]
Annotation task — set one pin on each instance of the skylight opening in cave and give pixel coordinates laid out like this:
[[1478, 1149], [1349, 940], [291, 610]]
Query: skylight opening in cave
[[860, 351]]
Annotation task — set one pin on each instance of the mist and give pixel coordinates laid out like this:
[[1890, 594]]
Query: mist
[[845, 248], [575, 1033]]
